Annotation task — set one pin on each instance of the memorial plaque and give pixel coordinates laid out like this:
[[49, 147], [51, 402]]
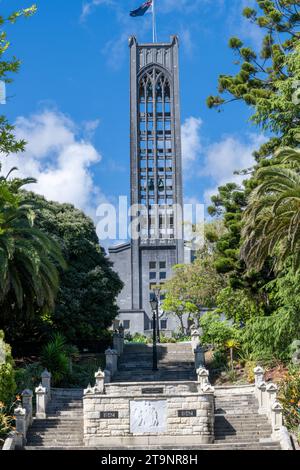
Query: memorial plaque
[[148, 417], [109, 415], [152, 391], [187, 413]]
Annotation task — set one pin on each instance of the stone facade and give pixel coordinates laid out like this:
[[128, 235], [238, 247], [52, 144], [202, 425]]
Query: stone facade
[[176, 412]]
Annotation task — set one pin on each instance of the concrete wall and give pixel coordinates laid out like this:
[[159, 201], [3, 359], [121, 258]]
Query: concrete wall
[[189, 416]]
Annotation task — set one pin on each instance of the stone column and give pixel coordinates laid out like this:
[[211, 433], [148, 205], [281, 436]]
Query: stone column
[[276, 416], [27, 405], [259, 376], [271, 390], [111, 360], [100, 377], [41, 402], [199, 357], [122, 334], [203, 376], [117, 340], [262, 398], [46, 383], [195, 339], [107, 376], [20, 414]]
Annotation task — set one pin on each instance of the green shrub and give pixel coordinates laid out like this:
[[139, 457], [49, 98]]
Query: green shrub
[[289, 397], [167, 340], [137, 338], [217, 331], [54, 357], [220, 360], [7, 373], [28, 377]]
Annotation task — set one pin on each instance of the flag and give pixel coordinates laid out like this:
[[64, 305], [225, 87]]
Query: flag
[[142, 9], [2, 93]]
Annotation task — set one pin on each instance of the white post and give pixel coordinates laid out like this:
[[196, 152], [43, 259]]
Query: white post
[[27, 405], [46, 383], [271, 396], [262, 398], [41, 402], [259, 376], [100, 377], [111, 360], [20, 414], [203, 376], [276, 417], [195, 339]]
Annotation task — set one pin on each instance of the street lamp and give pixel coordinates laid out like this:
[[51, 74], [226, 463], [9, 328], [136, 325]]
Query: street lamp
[[157, 295], [154, 307]]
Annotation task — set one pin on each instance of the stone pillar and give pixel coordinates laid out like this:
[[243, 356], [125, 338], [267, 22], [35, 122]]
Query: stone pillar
[[46, 383], [100, 377], [41, 402], [259, 376], [117, 340], [271, 390], [203, 376], [195, 339], [20, 414], [111, 360], [276, 416], [107, 376], [27, 405], [199, 357], [262, 398], [122, 335]]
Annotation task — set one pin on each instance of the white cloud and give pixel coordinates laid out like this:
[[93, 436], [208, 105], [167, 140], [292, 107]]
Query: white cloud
[[191, 143], [223, 158], [59, 159], [88, 7]]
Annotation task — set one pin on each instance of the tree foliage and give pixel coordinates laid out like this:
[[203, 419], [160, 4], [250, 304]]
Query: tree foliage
[[7, 373], [267, 80], [272, 218], [86, 302]]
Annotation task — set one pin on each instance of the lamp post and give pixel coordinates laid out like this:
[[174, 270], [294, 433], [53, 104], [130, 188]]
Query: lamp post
[[157, 295], [154, 307]]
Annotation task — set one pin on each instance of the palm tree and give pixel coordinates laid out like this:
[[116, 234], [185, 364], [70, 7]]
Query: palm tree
[[272, 218], [29, 259]]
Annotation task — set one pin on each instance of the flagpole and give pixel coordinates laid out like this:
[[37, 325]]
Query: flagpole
[[154, 22]]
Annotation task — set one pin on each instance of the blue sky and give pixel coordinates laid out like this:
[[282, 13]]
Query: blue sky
[[70, 100]]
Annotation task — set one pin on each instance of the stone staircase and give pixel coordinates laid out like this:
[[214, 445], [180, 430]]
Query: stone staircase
[[63, 428], [175, 363], [238, 425]]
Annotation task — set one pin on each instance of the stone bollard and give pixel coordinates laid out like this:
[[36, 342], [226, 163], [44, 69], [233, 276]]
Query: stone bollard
[[107, 376], [276, 416], [46, 383], [271, 390], [117, 343], [203, 376], [27, 405], [20, 414], [111, 361], [199, 357], [195, 339], [100, 378], [259, 376], [262, 398], [122, 335], [41, 402]]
